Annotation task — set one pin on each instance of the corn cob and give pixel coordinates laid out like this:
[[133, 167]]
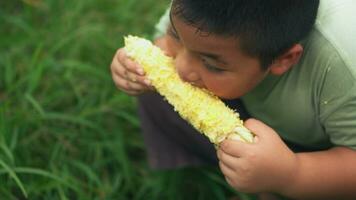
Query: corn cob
[[202, 109]]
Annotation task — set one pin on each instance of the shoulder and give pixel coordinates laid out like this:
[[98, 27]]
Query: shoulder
[[330, 48], [330, 53], [335, 24], [329, 61]]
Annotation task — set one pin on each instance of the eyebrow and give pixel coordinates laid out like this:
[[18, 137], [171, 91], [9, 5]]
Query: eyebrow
[[205, 54]]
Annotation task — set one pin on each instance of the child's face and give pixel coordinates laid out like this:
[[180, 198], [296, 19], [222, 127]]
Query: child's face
[[214, 62]]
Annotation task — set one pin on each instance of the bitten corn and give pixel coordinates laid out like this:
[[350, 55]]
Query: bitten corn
[[206, 112]]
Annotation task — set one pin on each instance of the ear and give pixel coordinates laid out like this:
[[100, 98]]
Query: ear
[[287, 60]]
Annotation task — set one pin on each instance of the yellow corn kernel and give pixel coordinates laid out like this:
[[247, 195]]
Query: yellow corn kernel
[[206, 112]]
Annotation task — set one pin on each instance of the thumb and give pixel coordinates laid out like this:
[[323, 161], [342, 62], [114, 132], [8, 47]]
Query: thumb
[[258, 128]]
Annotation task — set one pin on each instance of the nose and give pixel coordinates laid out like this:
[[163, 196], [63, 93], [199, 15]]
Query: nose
[[185, 67]]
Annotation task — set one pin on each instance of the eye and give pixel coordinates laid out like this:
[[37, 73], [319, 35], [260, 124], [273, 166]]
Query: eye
[[212, 68], [172, 33]]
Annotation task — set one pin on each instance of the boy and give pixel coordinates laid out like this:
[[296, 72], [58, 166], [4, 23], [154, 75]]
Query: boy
[[297, 79]]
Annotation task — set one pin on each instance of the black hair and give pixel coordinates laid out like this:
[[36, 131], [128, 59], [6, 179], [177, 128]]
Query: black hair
[[265, 28]]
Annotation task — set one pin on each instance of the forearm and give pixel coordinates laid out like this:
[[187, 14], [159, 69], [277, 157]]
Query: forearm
[[327, 174]]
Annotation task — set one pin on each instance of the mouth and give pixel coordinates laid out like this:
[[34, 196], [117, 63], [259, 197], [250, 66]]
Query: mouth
[[196, 84]]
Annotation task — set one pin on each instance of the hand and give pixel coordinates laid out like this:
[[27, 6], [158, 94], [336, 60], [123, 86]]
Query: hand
[[128, 75], [267, 165]]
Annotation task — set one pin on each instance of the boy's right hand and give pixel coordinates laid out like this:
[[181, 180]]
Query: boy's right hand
[[128, 75]]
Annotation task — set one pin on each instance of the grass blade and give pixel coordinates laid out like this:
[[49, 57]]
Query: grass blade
[[88, 171], [35, 104], [52, 116], [39, 172], [7, 152], [13, 175]]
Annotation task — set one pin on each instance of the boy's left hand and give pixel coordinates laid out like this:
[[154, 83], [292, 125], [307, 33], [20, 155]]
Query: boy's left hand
[[267, 165]]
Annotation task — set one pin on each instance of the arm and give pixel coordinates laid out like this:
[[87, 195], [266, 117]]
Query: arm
[[269, 165], [327, 174]]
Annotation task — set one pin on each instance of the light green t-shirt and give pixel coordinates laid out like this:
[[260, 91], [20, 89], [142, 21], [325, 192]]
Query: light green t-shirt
[[314, 104]]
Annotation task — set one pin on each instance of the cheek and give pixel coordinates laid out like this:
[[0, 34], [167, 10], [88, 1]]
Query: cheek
[[224, 87]]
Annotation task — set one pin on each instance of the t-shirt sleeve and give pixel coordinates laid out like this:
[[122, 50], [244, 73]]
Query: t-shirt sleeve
[[338, 103]]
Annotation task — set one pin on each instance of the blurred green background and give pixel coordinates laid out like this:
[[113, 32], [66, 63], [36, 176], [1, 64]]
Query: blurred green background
[[65, 131]]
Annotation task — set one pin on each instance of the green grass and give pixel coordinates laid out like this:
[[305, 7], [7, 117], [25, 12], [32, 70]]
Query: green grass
[[65, 131]]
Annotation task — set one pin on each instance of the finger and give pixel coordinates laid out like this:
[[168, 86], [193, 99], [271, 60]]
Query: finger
[[134, 67], [234, 148], [129, 83], [228, 160], [138, 79], [120, 82], [128, 86], [121, 55], [117, 68], [131, 92], [136, 86], [227, 171], [131, 65], [131, 77], [260, 129], [120, 70], [125, 64]]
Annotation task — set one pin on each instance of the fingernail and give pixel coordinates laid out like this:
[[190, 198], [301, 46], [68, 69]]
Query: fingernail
[[147, 82], [140, 71]]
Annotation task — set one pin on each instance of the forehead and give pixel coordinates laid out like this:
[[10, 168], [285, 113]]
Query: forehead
[[197, 40]]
